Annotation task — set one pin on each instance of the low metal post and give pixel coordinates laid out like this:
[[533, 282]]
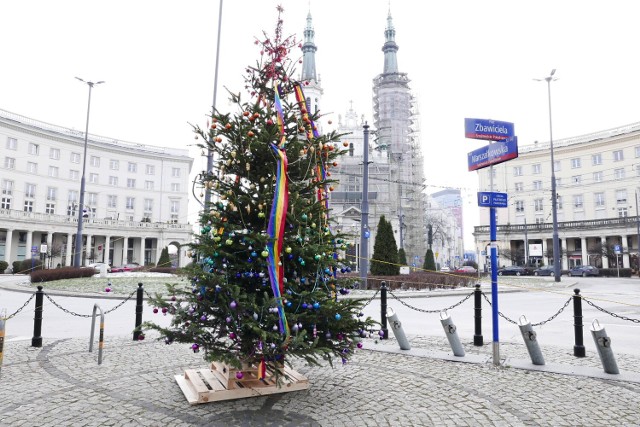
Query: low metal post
[[36, 340], [384, 332], [531, 341], [603, 344], [477, 303], [137, 331], [452, 334], [101, 337], [578, 348], [398, 332]]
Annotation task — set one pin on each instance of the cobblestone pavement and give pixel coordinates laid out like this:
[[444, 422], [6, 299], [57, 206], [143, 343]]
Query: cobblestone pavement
[[61, 384]]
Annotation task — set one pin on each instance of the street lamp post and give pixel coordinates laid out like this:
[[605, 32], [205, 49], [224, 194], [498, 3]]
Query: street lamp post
[[554, 201], [77, 255]]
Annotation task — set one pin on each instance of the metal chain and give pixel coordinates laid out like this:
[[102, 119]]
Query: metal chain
[[431, 311], [89, 315], [609, 312], [20, 309], [370, 299], [533, 324]]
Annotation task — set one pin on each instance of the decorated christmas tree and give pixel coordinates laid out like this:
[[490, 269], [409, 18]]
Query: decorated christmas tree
[[269, 265]]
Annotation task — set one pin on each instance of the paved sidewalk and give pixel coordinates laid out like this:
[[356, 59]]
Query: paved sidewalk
[[61, 384]]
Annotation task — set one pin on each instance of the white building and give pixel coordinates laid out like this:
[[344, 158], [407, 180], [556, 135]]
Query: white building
[[444, 215], [598, 180], [135, 198]]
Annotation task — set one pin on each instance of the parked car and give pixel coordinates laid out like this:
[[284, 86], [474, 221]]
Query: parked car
[[122, 268], [545, 270], [584, 271], [466, 269], [98, 266], [515, 270]]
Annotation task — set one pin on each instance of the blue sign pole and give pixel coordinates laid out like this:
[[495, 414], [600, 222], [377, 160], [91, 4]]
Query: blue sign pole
[[494, 284]]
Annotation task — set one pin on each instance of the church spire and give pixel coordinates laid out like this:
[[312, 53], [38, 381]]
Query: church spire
[[309, 53], [390, 48]]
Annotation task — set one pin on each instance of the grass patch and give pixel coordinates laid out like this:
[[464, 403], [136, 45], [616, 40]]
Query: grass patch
[[120, 285]]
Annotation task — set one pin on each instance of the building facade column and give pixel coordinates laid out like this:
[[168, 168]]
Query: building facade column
[[585, 253], [125, 249], [564, 256], [7, 246], [107, 250], [605, 260], [142, 254], [67, 257], [29, 254], [625, 252], [88, 248], [49, 249]]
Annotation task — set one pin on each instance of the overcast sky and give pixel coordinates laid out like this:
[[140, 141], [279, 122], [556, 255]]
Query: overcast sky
[[465, 58]]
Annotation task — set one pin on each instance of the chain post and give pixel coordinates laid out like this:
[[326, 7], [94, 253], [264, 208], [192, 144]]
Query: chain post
[[578, 348], [36, 340], [477, 307], [137, 332], [384, 332]]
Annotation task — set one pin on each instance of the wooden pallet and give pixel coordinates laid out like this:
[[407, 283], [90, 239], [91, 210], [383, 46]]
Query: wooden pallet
[[220, 383]]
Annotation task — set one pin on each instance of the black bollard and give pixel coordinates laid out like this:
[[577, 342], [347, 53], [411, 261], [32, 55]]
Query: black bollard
[[36, 341], [384, 332], [578, 348], [477, 303], [139, 301]]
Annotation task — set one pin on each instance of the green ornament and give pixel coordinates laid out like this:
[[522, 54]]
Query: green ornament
[[265, 253], [317, 257], [304, 217], [229, 242]]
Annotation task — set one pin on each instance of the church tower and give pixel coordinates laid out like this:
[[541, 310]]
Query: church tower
[[312, 85]]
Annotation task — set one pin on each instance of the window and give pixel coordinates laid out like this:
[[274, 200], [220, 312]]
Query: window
[[71, 209], [175, 207], [114, 165], [175, 186], [131, 201], [5, 203], [148, 205], [621, 197], [517, 171], [52, 193], [75, 157], [148, 185], [28, 205], [131, 183], [30, 191], [576, 179], [637, 149], [50, 208], [7, 187], [618, 156], [538, 205], [113, 181], [490, 172], [559, 202], [537, 185], [519, 186], [598, 199], [92, 199], [12, 143], [150, 170], [74, 175], [32, 167], [597, 177], [112, 201], [536, 168], [175, 172], [34, 149], [556, 165], [9, 163], [618, 174], [577, 201], [53, 171], [539, 220], [519, 206], [637, 170], [93, 178], [132, 167], [54, 153], [558, 182], [596, 159], [73, 197], [575, 163], [95, 161], [622, 212]]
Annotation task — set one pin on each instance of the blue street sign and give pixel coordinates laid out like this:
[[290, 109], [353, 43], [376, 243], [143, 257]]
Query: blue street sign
[[616, 249], [492, 154], [491, 130], [488, 199]]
